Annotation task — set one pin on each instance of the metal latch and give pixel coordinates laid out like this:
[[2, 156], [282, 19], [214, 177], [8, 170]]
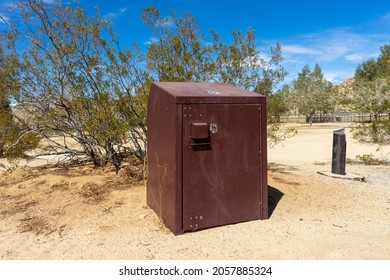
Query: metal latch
[[200, 136]]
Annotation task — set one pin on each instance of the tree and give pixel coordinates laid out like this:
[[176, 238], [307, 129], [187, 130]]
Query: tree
[[8, 83], [384, 61], [373, 69], [180, 53], [240, 63], [15, 139], [367, 71], [371, 97], [74, 78], [370, 92], [278, 104], [311, 92]]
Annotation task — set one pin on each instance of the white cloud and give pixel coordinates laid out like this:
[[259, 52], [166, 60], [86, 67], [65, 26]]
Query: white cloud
[[113, 15], [336, 77], [355, 57], [151, 40], [337, 51], [332, 45], [298, 49]]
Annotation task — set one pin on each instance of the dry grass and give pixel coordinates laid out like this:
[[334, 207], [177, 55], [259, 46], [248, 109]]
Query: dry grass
[[15, 207], [93, 193], [36, 225], [60, 186]]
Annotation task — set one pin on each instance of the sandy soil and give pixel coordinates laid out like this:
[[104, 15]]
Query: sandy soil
[[85, 213]]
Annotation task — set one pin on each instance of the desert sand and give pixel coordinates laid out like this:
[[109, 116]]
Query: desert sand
[[81, 212]]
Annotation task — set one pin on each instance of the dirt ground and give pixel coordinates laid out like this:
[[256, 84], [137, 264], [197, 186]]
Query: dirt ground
[[81, 212]]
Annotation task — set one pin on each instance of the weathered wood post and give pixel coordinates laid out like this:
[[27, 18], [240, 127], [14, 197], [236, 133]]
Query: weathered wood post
[[339, 152]]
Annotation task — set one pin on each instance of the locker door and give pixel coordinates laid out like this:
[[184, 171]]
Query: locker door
[[221, 168]]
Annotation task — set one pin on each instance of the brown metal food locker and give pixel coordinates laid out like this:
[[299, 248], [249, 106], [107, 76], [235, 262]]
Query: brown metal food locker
[[207, 155]]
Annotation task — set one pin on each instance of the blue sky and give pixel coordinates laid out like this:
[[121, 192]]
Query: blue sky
[[338, 35]]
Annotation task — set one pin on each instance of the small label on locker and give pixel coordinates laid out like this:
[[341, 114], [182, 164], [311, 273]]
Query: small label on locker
[[213, 92], [213, 128]]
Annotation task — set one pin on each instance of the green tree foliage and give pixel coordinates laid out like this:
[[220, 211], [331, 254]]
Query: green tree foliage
[[179, 53], [74, 79], [370, 97], [367, 71], [278, 104], [311, 92], [372, 69], [15, 139], [371, 90], [384, 61], [370, 93], [239, 62], [76, 82], [8, 82]]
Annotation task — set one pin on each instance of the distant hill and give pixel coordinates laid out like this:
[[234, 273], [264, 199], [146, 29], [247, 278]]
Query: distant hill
[[346, 86]]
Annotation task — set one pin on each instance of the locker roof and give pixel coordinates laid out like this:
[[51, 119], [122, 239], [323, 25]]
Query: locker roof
[[193, 92]]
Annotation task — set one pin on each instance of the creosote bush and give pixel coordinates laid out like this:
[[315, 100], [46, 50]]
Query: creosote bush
[[76, 84]]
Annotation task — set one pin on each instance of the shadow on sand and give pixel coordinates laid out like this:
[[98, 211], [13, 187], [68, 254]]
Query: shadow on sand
[[274, 196]]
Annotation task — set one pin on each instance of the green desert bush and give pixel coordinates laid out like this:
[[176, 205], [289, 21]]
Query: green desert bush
[[14, 140]]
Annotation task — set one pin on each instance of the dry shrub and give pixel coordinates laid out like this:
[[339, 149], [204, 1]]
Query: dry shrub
[[17, 207], [377, 131], [16, 177], [134, 173], [40, 183], [284, 181], [93, 193], [60, 186], [4, 183], [134, 170], [73, 168], [35, 225], [118, 184]]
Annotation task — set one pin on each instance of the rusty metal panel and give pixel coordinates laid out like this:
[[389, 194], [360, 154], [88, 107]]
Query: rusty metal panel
[[221, 184], [263, 163], [205, 93], [164, 184], [207, 155]]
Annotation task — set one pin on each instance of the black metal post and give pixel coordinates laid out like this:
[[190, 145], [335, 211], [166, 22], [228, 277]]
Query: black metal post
[[339, 152]]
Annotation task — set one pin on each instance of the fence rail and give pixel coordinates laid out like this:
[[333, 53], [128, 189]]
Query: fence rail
[[333, 117]]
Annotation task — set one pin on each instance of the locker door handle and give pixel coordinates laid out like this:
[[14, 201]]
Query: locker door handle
[[200, 144], [200, 136]]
